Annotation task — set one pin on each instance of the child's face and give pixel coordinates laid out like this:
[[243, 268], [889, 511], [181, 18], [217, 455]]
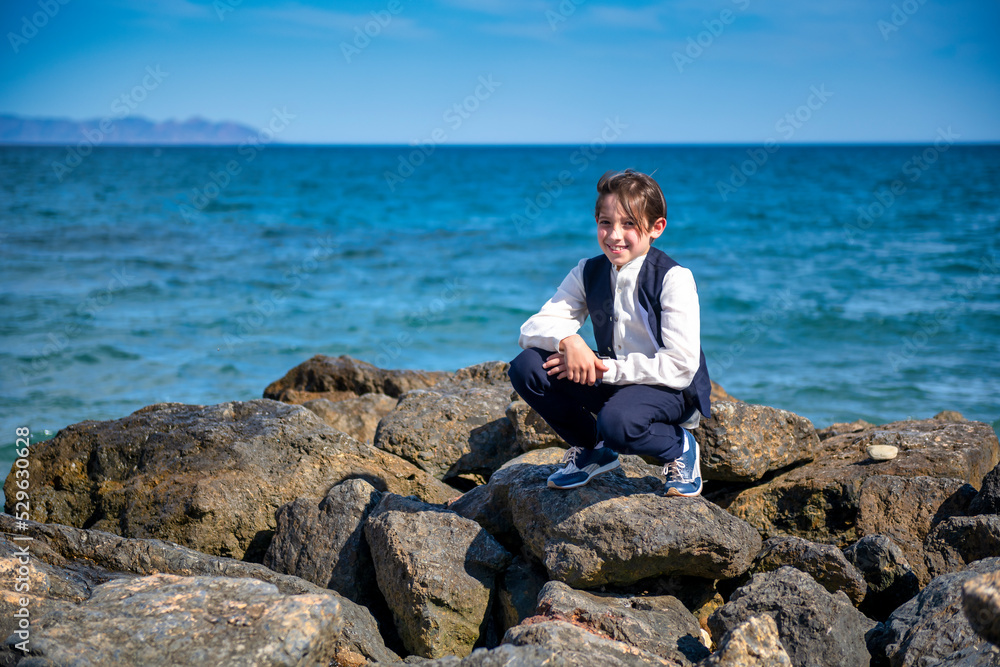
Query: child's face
[[621, 238]]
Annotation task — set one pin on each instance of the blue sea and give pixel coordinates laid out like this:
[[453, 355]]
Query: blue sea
[[838, 282]]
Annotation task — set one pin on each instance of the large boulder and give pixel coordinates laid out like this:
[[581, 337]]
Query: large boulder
[[753, 643], [960, 540], [530, 430], [437, 572], [988, 499], [618, 529], [575, 646], [907, 509], [817, 628], [981, 603], [742, 442], [823, 562], [209, 478], [887, 572], [357, 417], [168, 620], [71, 562], [339, 378], [458, 427], [658, 624], [819, 501], [325, 542], [932, 629]]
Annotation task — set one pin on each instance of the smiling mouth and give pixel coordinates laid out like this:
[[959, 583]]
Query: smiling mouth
[[617, 248]]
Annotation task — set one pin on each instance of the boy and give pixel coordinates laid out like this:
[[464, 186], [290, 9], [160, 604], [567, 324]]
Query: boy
[[650, 383]]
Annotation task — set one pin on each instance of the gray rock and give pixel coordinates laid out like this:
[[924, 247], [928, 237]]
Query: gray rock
[[505, 655], [517, 592], [457, 427], [931, 629], [168, 620], [961, 540], [742, 442], [530, 430], [577, 646], [80, 560], [437, 572], [907, 509], [618, 529], [209, 478], [890, 579], [823, 562], [819, 501], [660, 624], [337, 378], [988, 499], [817, 628], [357, 417], [981, 604], [753, 643], [325, 542]]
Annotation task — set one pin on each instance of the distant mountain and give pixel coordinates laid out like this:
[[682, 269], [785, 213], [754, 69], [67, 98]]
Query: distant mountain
[[129, 130]]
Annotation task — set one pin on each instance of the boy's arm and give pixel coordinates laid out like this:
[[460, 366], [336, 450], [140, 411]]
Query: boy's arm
[[675, 364], [560, 317]]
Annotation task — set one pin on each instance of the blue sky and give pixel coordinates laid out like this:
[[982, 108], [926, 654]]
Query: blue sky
[[517, 71]]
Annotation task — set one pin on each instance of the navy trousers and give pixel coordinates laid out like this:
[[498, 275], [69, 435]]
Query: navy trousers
[[631, 419]]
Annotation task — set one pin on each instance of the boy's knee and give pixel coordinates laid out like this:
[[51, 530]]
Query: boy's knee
[[525, 369]]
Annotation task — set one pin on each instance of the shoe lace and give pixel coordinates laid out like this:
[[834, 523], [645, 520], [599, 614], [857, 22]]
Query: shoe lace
[[569, 458], [674, 471]]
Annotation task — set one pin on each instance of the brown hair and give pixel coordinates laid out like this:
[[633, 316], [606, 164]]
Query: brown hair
[[638, 194]]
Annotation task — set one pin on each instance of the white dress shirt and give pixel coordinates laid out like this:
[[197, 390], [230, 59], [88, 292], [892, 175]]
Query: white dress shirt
[[640, 359]]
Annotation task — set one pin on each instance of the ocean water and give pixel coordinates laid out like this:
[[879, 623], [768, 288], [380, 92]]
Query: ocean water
[[838, 282]]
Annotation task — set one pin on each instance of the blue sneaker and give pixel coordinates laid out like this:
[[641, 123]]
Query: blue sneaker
[[582, 465], [684, 474]]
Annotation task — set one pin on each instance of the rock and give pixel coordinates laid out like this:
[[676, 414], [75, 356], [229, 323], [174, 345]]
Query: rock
[[816, 627], [753, 643], [436, 571], [505, 655], [931, 629], [890, 579], [357, 417], [167, 620], [84, 559], [907, 508], [209, 478], [530, 430], [337, 378], [577, 646], [618, 529], [517, 592], [823, 562], [660, 625], [841, 428], [719, 394], [882, 452], [325, 543], [988, 499], [819, 501], [981, 604], [457, 427], [742, 442], [960, 540]]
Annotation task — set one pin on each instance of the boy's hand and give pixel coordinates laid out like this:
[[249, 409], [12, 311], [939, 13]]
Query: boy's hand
[[576, 363]]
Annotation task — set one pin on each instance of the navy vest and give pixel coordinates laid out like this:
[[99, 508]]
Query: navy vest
[[601, 304]]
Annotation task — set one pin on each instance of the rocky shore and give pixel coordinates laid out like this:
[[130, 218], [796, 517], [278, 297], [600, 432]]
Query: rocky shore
[[360, 516]]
